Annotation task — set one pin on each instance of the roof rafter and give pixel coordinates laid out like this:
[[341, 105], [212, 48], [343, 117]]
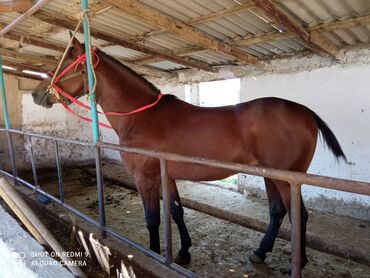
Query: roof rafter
[[56, 20], [48, 62], [15, 6], [313, 40], [178, 27]]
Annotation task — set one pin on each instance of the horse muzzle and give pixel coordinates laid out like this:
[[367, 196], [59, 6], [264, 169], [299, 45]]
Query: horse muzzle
[[41, 98]]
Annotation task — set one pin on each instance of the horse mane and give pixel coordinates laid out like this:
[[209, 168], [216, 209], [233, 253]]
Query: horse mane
[[133, 73]]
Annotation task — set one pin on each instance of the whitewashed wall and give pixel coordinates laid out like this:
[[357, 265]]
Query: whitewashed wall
[[56, 122], [340, 96]]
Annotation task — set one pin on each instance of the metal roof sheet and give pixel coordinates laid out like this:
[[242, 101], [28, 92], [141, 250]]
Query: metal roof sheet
[[247, 23]]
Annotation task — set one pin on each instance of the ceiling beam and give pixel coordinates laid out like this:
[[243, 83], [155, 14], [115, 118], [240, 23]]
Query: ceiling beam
[[21, 66], [19, 6], [33, 41], [153, 16], [314, 41], [168, 55], [35, 60], [22, 74]]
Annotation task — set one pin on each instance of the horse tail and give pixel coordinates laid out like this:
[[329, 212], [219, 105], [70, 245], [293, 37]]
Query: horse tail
[[329, 138]]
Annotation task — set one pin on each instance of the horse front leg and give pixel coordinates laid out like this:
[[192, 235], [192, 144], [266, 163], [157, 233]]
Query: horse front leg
[[177, 213], [149, 190]]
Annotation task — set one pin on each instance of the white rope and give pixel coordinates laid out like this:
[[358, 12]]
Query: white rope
[[51, 86]]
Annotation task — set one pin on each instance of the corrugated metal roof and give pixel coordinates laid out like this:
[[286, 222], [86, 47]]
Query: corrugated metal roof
[[166, 65], [247, 23]]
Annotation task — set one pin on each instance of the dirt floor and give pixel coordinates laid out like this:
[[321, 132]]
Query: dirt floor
[[220, 248]]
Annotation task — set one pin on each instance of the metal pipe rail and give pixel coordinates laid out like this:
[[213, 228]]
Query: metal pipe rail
[[295, 179]]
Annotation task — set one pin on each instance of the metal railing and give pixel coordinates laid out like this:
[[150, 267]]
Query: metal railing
[[295, 179]]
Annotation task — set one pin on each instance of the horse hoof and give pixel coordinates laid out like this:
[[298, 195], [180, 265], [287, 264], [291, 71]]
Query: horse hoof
[[255, 259], [182, 260]]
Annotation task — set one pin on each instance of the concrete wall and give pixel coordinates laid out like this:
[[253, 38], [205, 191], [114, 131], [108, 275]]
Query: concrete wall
[[27, 116], [340, 96]]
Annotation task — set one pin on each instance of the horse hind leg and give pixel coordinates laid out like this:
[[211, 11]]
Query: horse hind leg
[[277, 211], [283, 188], [177, 213]]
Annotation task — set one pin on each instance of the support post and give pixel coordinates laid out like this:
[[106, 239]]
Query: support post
[[59, 172], [33, 164], [166, 212], [295, 210], [100, 186], [7, 121], [90, 75], [94, 114]]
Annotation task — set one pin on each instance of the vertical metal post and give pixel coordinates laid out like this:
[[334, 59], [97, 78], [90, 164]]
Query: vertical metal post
[[99, 182], [59, 172], [166, 212], [7, 122], [295, 211], [90, 75], [94, 113], [33, 164]]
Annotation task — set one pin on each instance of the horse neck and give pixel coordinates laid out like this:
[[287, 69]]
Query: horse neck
[[121, 90]]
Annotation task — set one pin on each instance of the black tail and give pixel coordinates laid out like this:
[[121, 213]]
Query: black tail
[[329, 138]]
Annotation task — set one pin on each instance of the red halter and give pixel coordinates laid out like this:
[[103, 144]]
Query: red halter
[[79, 61]]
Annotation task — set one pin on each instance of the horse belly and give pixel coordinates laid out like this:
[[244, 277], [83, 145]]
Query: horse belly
[[194, 172]]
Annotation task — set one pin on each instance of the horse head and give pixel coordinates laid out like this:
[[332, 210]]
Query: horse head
[[72, 78]]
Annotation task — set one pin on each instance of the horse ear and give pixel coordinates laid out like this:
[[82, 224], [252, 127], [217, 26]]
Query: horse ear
[[77, 45]]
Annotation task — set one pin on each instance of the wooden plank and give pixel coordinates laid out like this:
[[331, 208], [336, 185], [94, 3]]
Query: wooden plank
[[33, 41], [15, 6], [35, 224], [318, 44], [28, 58], [185, 31], [167, 55]]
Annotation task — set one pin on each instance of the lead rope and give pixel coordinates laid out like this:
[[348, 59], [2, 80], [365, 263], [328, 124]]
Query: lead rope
[[51, 88]]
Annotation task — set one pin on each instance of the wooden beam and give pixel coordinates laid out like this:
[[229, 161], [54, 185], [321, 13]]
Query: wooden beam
[[22, 74], [34, 41], [167, 55], [21, 66], [48, 62], [142, 11], [19, 6], [317, 42]]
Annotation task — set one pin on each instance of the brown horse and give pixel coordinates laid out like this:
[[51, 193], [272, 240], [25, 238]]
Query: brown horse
[[269, 132]]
